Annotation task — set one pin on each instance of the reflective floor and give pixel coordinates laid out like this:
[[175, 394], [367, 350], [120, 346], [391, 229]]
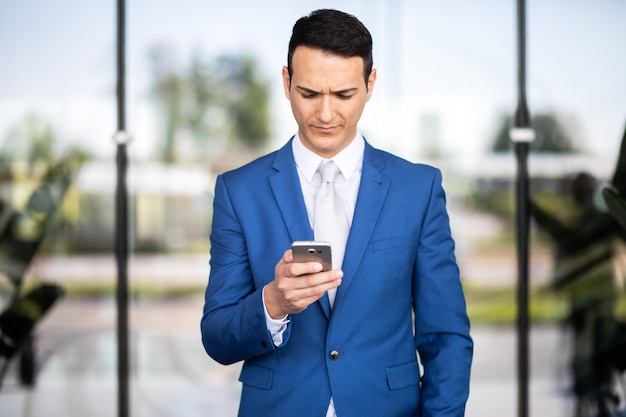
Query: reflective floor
[[172, 376]]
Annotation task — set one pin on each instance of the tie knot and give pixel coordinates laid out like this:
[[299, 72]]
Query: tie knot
[[329, 171]]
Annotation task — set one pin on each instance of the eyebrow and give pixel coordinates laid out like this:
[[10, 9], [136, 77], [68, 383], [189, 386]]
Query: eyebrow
[[338, 92]]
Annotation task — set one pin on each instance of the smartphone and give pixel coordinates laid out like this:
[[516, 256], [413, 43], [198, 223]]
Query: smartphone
[[313, 251]]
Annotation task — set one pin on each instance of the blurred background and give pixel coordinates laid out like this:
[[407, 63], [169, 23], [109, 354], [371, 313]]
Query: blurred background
[[204, 95]]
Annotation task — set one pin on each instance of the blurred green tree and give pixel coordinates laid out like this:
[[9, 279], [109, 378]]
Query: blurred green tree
[[168, 90], [209, 104], [36, 172], [550, 135], [31, 140], [495, 195]]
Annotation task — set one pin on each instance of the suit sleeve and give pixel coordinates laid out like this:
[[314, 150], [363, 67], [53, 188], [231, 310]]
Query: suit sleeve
[[233, 324], [442, 327]]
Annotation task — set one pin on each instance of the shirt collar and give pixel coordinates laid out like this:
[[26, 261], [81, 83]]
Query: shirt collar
[[347, 160]]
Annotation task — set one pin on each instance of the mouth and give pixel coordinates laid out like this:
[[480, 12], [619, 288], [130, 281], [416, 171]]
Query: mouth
[[325, 130]]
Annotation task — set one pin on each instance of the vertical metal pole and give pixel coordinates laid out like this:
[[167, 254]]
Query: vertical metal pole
[[121, 220], [521, 135], [522, 290]]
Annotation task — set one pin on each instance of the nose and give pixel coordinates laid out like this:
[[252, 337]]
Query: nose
[[326, 111]]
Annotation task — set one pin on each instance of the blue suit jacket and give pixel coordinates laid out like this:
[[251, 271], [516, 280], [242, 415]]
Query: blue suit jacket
[[400, 294]]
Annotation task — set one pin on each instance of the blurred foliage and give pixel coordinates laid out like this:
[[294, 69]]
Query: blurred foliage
[[498, 305], [496, 196], [35, 176], [550, 135], [31, 148], [208, 103], [31, 140], [616, 205], [107, 289], [497, 201], [615, 194]]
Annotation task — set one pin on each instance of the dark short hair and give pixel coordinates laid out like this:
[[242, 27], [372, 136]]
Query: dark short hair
[[335, 32]]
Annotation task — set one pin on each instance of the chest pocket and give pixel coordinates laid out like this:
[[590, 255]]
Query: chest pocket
[[409, 242]]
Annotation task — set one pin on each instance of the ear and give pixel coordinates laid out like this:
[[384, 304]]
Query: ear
[[286, 83], [371, 80]]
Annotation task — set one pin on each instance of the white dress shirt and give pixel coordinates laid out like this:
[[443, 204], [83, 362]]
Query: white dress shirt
[[350, 163]]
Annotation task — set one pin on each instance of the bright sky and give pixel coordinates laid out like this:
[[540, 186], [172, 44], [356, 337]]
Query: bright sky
[[449, 62]]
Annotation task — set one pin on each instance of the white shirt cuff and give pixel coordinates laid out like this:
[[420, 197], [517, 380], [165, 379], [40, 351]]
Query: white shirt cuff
[[276, 327]]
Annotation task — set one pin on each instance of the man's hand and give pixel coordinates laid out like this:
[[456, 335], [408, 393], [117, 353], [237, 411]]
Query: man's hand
[[296, 285]]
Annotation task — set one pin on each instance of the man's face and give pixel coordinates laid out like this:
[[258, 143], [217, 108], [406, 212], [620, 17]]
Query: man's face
[[327, 94]]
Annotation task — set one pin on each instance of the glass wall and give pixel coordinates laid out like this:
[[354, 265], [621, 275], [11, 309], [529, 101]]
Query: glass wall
[[205, 95]]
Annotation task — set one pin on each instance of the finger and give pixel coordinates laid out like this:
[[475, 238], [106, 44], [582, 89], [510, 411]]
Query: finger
[[307, 289], [322, 281], [318, 285], [297, 269], [334, 278]]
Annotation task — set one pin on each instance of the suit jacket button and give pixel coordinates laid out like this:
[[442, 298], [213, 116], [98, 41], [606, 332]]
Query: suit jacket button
[[264, 344], [334, 355]]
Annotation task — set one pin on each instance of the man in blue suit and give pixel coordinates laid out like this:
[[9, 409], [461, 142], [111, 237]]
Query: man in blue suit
[[397, 297]]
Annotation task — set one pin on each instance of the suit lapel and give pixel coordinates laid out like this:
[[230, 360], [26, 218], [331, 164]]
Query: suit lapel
[[372, 192], [285, 186]]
